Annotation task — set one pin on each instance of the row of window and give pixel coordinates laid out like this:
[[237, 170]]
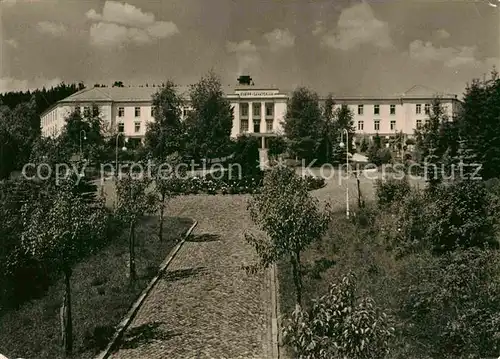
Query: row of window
[[256, 109], [137, 127], [137, 112], [256, 126], [392, 109], [376, 125]]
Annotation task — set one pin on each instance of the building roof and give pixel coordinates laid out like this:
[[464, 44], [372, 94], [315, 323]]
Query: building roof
[[144, 94]]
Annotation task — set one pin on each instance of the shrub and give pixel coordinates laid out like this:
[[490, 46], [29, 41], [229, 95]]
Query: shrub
[[339, 325], [451, 304], [246, 154], [314, 182], [391, 190], [460, 215]]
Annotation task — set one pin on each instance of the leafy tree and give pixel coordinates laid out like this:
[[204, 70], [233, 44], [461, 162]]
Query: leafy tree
[[164, 135], [277, 146], [329, 131], [17, 135], [303, 123], [478, 123], [246, 154], [341, 324], [209, 124], [365, 143], [83, 132], [133, 202], [169, 182], [60, 230], [291, 219]]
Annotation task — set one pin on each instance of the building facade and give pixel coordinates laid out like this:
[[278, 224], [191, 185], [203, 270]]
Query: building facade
[[257, 111]]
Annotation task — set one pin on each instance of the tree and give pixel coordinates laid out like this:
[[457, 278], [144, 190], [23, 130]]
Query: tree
[[133, 202], [478, 123], [276, 146], [164, 135], [365, 143], [246, 154], [83, 132], [303, 123], [60, 230], [290, 217], [168, 183], [209, 124], [340, 324], [329, 127], [343, 122], [437, 136]]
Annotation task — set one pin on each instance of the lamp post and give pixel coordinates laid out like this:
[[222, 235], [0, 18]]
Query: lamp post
[[116, 152], [341, 144], [85, 138]]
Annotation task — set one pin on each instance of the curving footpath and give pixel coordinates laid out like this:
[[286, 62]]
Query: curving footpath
[[206, 305]]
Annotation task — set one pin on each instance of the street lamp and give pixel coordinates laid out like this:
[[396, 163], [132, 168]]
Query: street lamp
[[341, 144], [85, 138], [116, 150]]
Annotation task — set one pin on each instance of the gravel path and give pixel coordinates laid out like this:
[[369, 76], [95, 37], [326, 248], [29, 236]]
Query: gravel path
[[206, 305]]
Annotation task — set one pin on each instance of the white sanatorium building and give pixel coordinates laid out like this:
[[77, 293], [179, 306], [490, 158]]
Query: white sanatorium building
[[257, 111]]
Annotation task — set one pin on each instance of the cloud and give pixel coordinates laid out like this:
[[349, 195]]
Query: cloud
[[246, 54], [13, 43], [8, 2], [8, 84], [280, 39], [52, 28], [358, 26], [121, 24], [448, 56], [442, 34]]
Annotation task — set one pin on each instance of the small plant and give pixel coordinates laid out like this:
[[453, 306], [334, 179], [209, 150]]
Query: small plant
[[339, 325]]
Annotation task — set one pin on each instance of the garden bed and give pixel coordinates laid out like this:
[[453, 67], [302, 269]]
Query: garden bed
[[101, 296]]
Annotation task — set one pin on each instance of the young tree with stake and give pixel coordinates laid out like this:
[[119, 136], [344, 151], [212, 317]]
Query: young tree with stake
[[291, 218]]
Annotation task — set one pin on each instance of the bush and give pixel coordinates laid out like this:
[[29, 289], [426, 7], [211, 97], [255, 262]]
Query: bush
[[460, 214], [339, 325], [391, 190], [314, 182], [246, 154], [451, 304]]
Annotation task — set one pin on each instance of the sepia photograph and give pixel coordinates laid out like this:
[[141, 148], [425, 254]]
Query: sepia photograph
[[249, 179]]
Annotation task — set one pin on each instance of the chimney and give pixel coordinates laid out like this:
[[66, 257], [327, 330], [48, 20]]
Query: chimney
[[245, 80]]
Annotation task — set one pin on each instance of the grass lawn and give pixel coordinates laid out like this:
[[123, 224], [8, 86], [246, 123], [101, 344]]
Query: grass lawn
[[101, 296]]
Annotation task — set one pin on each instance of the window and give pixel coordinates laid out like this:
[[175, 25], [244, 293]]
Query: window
[[256, 109], [137, 127], [418, 109], [77, 109], [361, 125], [360, 109], [86, 110], [427, 108], [393, 125], [121, 111], [419, 124], [427, 121], [244, 126], [376, 125], [376, 109], [393, 110], [256, 127], [137, 112], [244, 110], [152, 111], [269, 109], [121, 127], [269, 126]]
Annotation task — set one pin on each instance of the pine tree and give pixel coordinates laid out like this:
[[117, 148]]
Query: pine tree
[[466, 161]]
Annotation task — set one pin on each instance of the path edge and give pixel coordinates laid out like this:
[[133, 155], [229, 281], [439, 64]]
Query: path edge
[[275, 324], [125, 322]]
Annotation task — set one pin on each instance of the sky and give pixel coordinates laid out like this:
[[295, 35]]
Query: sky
[[343, 47]]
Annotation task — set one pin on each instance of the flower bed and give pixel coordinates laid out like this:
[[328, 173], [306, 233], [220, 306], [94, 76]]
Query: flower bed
[[222, 183]]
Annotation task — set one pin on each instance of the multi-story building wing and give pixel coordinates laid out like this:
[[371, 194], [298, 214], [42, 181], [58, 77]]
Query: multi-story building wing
[[257, 111]]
